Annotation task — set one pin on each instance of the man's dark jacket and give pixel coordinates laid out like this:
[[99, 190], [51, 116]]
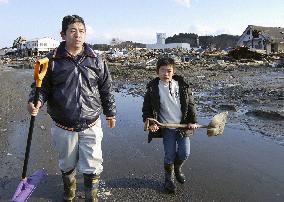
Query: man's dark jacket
[[78, 89], [151, 104]]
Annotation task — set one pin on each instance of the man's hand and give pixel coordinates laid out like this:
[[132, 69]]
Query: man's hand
[[153, 128], [192, 125], [111, 121], [32, 109]]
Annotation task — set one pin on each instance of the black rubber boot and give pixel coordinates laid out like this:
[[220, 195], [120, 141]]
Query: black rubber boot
[[178, 173], [169, 178], [69, 183], [91, 187]]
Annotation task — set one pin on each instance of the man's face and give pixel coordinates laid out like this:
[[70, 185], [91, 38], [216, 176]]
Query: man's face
[[166, 73], [75, 36]]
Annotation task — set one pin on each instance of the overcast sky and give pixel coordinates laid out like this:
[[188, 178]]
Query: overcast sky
[[136, 20]]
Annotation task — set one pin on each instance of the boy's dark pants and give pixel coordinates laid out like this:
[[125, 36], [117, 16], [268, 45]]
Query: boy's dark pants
[[177, 150]]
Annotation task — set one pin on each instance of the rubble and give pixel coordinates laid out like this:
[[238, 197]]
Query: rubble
[[245, 53], [18, 62], [146, 58]]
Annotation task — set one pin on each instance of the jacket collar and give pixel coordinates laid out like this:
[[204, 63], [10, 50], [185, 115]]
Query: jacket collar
[[61, 51], [177, 78]]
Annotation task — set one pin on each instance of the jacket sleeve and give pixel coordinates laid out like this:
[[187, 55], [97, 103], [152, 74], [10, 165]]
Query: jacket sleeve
[[147, 110], [191, 109], [105, 90]]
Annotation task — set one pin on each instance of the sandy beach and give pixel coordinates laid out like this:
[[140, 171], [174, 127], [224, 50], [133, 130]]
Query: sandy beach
[[244, 164]]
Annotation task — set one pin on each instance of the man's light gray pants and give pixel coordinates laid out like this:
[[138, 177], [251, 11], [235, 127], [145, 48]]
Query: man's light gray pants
[[79, 149]]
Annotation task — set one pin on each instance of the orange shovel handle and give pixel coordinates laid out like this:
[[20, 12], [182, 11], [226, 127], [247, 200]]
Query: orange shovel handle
[[39, 72]]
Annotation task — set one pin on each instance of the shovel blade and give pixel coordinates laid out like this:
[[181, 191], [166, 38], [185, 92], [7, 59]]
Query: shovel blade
[[217, 124], [215, 131], [27, 186]]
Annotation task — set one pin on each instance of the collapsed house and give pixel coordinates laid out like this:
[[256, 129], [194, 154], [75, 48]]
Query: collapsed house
[[263, 39]]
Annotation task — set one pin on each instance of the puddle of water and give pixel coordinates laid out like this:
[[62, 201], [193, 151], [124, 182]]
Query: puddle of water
[[17, 140], [129, 107], [225, 167]]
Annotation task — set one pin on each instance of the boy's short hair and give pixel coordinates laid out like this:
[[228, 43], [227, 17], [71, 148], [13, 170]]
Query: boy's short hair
[[165, 61], [71, 19]]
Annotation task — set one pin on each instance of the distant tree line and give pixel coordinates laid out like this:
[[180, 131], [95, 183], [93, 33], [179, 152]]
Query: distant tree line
[[220, 41]]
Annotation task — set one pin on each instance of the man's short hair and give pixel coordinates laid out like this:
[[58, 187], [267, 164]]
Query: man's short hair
[[165, 61], [71, 19]]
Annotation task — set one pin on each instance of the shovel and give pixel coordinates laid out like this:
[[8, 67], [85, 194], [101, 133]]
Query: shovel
[[214, 128], [28, 184]]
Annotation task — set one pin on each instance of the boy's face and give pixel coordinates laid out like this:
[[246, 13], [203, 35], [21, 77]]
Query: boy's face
[[166, 73], [75, 36]]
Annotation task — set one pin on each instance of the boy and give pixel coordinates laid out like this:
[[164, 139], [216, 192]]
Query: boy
[[169, 100], [77, 89]]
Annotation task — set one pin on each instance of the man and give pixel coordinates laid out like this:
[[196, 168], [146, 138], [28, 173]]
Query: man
[[77, 89]]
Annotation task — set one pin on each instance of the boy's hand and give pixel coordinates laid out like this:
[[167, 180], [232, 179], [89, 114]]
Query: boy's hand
[[153, 128], [192, 125], [111, 121], [32, 109]]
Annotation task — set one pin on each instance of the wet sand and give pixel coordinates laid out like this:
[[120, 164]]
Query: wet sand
[[240, 165]]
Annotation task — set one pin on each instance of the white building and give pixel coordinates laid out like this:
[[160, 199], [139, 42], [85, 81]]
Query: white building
[[39, 46], [161, 43]]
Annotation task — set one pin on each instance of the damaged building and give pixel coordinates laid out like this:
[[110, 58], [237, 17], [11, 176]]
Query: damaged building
[[263, 39]]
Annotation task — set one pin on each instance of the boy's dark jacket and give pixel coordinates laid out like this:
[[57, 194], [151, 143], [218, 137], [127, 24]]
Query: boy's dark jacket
[[151, 105], [76, 90]]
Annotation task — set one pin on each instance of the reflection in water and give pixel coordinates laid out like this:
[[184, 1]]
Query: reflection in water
[[129, 108]]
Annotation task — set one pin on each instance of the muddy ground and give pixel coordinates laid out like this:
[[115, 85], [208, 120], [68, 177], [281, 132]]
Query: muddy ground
[[232, 167]]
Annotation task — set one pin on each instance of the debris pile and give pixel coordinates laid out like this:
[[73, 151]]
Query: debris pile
[[245, 53], [147, 58], [18, 62]]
